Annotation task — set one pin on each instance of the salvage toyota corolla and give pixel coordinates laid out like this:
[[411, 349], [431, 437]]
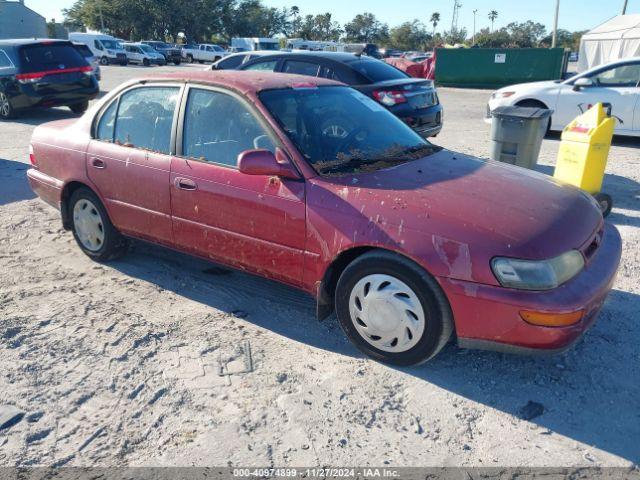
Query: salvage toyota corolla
[[318, 186]]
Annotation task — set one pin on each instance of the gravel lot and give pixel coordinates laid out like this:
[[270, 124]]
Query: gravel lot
[[159, 359]]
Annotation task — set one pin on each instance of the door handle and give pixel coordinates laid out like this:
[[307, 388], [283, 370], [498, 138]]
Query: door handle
[[98, 163], [185, 184]]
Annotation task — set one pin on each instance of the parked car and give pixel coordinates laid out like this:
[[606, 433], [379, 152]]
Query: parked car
[[142, 54], [104, 47], [235, 60], [204, 53], [91, 59], [615, 84], [170, 53], [407, 241], [413, 100], [43, 73]]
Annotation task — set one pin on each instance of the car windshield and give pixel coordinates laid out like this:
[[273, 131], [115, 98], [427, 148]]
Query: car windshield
[[111, 44], [340, 130], [147, 48]]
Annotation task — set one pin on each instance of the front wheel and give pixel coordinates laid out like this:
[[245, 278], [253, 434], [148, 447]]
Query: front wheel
[[190, 58], [176, 62], [392, 309], [605, 202], [92, 229], [146, 62], [104, 61]]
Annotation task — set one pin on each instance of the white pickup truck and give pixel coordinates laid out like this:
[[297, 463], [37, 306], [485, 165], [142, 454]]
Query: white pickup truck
[[203, 53]]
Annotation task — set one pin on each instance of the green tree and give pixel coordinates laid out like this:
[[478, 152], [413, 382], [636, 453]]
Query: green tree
[[295, 24], [455, 36], [411, 35], [526, 34], [493, 15], [320, 27], [434, 20], [486, 38], [366, 28]]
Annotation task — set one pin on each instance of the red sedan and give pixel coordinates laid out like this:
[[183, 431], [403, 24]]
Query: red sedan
[[318, 186]]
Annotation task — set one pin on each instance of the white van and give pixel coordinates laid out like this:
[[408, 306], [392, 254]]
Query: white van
[[104, 47], [255, 43]]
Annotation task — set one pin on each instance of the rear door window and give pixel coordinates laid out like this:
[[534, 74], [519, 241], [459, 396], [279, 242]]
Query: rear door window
[[301, 68], [45, 57], [145, 118], [84, 50]]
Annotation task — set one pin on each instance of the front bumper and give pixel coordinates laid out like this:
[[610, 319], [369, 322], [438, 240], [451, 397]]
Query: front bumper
[[488, 317]]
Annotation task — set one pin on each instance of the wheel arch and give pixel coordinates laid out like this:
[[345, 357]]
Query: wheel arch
[[325, 293], [67, 191]]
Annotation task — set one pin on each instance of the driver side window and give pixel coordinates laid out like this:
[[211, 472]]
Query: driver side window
[[218, 127], [621, 76]]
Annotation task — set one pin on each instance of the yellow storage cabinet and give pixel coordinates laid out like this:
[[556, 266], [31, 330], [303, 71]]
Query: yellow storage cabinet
[[583, 153]]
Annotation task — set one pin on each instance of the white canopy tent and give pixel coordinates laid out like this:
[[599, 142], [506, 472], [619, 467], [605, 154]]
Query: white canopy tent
[[614, 39]]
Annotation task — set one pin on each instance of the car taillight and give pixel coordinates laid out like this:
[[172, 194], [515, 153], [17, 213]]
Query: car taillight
[[32, 157], [389, 98], [37, 76]]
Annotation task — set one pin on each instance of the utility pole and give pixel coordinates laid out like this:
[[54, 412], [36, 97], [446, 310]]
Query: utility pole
[[624, 7], [555, 25], [454, 20], [474, 25], [101, 18]]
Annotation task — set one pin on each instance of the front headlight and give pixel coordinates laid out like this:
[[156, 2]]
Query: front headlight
[[500, 94], [537, 274]]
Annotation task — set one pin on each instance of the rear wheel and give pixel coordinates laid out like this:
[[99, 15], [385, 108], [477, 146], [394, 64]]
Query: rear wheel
[[7, 111], [392, 309], [146, 62], [104, 61], [190, 58], [92, 229], [79, 107], [176, 62]]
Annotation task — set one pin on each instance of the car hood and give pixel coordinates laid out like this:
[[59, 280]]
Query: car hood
[[544, 85], [489, 208]]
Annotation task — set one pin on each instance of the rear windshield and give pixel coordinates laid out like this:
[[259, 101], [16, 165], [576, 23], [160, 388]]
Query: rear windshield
[[377, 71], [84, 50], [43, 57]]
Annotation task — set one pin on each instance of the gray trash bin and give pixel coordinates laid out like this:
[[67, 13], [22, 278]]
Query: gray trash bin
[[517, 133]]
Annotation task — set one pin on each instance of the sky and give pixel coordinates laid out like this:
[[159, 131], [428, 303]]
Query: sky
[[574, 14]]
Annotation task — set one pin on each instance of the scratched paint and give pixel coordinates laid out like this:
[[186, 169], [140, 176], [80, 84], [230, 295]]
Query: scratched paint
[[455, 255]]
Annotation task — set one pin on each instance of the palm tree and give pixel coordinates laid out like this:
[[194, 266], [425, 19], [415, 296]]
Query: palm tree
[[295, 11], [435, 18], [492, 16]]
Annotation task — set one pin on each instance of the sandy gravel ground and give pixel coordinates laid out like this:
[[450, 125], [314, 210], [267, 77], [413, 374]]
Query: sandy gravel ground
[[159, 359]]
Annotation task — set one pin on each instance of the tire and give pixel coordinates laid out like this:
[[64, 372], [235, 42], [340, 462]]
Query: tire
[[79, 108], [104, 61], [86, 211], [190, 58], [605, 202], [145, 62], [177, 62], [201, 61], [535, 104], [417, 295], [7, 112]]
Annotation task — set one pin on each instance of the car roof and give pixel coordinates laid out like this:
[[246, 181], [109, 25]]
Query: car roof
[[342, 57], [18, 42], [244, 81]]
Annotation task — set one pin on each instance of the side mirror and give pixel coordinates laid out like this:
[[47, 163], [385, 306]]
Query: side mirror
[[264, 162], [582, 83]]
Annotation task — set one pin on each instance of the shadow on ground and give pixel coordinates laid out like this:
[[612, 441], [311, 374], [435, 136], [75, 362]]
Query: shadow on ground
[[590, 394], [14, 186]]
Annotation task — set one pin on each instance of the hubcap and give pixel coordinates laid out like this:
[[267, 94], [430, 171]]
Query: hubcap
[[387, 313], [88, 225], [4, 105]]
